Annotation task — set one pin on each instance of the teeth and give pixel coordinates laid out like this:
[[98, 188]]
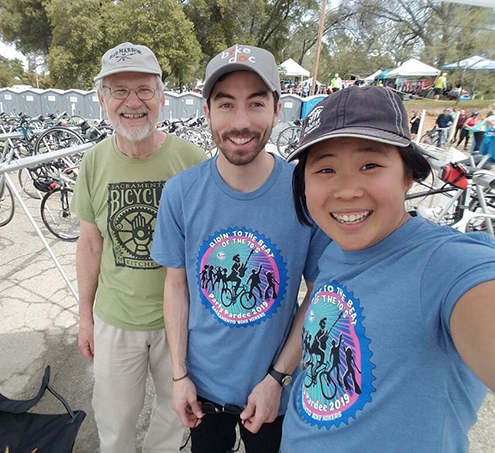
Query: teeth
[[133, 115], [351, 218], [240, 141]]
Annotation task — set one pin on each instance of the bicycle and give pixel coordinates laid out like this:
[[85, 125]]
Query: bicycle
[[230, 296], [55, 205], [436, 137], [288, 139], [7, 204]]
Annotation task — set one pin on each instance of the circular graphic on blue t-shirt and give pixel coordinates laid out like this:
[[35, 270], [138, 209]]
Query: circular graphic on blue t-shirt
[[336, 358], [241, 276]]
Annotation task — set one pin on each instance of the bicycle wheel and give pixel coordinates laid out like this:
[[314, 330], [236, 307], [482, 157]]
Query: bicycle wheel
[[7, 205], [57, 138], [57, 216], [26, 182], [287, 140], [328, 387], [248, 301], [226, 297]]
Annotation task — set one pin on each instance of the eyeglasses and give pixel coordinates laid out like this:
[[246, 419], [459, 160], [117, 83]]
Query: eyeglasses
[[212, 408], [121, 93]]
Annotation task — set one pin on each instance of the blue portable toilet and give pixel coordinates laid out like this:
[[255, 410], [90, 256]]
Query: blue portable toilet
[[291, 107], [30, 102], [169, 109], [73, 102], [51, 101], [92, 108], [189, 105], [9, 101], [309, 102]]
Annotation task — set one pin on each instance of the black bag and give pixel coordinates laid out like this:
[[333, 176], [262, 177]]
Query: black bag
[[25, 432]]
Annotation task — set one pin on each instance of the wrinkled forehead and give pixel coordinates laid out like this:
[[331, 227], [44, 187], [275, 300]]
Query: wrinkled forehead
[[131, 78]]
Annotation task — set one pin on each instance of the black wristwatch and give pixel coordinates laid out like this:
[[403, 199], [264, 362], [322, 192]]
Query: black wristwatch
[[283, 379]]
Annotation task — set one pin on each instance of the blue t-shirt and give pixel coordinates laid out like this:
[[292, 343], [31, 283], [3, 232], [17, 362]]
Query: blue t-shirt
[[381, 372], [244, 255]]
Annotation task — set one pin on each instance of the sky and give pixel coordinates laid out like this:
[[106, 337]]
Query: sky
[[10, 53]]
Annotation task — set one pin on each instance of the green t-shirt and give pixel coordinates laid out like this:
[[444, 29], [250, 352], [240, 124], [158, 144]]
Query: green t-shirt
[[121, 195]]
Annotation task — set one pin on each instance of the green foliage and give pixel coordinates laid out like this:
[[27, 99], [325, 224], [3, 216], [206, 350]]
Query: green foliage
[[359, 37], [163, 27], [25, 22]]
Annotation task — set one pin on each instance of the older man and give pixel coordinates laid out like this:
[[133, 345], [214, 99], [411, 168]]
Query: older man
[[234, 349], [120, 286]]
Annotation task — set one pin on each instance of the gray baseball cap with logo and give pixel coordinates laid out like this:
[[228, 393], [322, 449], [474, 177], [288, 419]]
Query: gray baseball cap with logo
[[243, 58], [128, 57]]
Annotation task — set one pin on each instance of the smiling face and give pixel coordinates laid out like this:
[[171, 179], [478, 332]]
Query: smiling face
[[132, 118], [241, 116], [355, 190]]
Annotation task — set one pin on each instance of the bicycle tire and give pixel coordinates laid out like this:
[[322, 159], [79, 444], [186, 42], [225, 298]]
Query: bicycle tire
[[287, 140], [246, 300], [57, 216], [226, 297], [26, 182], [56, 138], [7, 204], [325, 380]]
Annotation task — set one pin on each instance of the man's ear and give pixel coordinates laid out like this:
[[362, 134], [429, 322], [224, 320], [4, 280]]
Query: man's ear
[[101, 101]]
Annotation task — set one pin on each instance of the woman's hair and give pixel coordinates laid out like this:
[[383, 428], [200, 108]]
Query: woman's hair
[[414, 163]]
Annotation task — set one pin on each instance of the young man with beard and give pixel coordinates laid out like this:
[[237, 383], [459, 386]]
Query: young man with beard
[[233, 350], [120, 287]]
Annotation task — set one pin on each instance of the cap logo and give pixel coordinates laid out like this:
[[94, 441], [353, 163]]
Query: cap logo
[[124, 54], [238, 54], [313, 120]]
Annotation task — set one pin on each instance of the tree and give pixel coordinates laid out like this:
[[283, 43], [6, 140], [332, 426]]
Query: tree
[[25, 23], [163, 27]]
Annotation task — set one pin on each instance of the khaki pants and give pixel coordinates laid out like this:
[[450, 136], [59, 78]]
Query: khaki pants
[[121, 362]]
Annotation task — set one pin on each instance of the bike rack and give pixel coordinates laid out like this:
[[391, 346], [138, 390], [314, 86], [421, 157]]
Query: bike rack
[[18, 164]]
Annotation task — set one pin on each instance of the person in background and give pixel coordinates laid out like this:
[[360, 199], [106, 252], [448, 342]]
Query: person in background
[[443, 123], [336, 83], [485, 127], [467, 129], [414, 122], [460, 123], [120, 286], [440, 86], [413, 301]]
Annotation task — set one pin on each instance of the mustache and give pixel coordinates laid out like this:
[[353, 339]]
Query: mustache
[[240, 133]]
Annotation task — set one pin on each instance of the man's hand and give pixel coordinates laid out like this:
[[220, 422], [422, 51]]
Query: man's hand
[[185, 403], [263, 404], [86, 338]]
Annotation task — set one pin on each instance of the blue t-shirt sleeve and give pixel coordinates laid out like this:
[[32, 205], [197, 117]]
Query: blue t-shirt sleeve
[[318, 243], [168, 247], [456, 267]]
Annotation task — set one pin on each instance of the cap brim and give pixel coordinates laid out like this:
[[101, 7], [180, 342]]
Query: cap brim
[[227, 69], [101, 75], [365, 133]]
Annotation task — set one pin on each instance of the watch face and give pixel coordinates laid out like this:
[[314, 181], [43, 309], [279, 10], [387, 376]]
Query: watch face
[[286, 381]]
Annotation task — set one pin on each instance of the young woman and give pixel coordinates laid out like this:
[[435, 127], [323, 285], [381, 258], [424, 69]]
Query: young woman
[[414, 122], [408, 306], [466, 130]]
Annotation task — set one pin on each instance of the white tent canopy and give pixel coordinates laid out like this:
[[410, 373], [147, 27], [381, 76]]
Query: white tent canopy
[[293, 69], [413, 68], [371, 77]]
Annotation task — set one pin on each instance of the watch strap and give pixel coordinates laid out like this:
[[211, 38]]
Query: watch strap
[[278, 376]]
